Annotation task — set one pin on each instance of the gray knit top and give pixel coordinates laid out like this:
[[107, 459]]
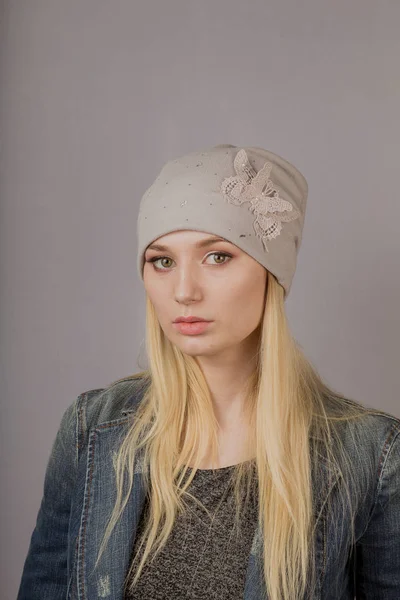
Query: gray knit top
[[203, 558]]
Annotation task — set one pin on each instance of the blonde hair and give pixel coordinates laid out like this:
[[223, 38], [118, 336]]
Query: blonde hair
[[292, 416]]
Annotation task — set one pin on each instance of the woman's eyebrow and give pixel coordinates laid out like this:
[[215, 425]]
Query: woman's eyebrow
[[200, 244]]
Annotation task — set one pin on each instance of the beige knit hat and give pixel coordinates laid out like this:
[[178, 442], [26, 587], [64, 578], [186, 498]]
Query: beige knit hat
[[250, 196]]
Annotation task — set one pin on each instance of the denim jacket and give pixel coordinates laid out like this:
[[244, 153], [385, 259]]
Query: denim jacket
[[79, 494]]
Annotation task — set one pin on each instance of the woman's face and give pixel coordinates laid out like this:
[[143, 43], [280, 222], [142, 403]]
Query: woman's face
[[192, 275]]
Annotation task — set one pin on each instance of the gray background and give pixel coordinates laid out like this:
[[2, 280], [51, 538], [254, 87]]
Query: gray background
[[96, 96]]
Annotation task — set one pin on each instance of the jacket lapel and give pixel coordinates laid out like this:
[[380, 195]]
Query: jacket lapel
[[106, 580]]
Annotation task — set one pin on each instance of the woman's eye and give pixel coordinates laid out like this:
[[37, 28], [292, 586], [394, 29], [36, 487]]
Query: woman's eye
[[156, 259]]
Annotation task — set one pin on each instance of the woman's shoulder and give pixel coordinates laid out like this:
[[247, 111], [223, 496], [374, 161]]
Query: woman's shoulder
[[112, 402], [370, 439], [374, 424]]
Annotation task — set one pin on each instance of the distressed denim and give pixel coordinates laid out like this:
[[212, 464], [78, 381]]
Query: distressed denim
[[79, 494]]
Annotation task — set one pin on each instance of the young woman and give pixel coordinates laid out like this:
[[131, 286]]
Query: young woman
[[228, 469]]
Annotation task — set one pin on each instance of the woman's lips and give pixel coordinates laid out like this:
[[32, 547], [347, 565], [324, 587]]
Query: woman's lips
[[192, 328]]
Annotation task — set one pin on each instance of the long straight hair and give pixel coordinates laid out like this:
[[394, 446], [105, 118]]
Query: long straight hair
[[291, 414]]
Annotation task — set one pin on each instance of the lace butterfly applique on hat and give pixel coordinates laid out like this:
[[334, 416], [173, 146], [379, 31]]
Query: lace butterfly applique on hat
[[265, 202]]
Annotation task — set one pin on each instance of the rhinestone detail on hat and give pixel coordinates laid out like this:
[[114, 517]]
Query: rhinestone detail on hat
[[265, 202]]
